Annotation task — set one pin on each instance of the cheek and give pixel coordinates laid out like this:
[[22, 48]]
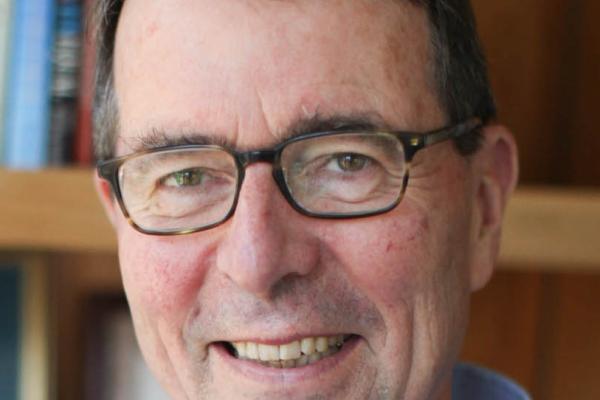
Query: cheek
[[162, 275], [383, 257]]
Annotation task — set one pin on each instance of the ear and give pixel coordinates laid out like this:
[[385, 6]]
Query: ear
[[496, 173], [107, 198]]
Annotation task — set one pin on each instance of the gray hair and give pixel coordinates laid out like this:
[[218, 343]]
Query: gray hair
[[463, 87]]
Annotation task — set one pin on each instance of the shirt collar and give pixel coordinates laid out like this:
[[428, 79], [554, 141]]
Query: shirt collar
[[471, 382]]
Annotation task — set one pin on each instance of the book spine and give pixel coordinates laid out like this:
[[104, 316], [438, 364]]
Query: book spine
[[10, 329], [34, 338], [65, 82], [27, 114], [82, 150], [5, 6]]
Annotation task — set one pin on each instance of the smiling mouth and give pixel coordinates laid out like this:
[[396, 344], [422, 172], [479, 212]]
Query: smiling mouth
[[298, 353]]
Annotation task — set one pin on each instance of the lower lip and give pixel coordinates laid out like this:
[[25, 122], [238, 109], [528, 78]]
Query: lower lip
[[268, 375]]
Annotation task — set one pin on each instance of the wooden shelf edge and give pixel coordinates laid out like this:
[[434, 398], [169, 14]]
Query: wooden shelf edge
[[57, 210], [53, 209], [552, 229]]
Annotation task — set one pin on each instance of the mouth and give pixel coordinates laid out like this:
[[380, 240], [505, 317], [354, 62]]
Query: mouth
[[294, 354]]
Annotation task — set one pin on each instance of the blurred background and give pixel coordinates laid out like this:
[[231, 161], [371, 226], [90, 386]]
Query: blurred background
[[66, 332], [538, 320]]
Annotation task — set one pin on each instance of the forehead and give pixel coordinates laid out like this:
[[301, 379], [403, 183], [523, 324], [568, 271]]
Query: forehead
[[233, 66]]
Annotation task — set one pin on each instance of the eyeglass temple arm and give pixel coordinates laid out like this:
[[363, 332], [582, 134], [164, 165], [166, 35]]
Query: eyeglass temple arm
[[452, 132]]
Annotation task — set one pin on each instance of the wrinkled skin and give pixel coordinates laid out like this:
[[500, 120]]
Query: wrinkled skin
[[246, 71]]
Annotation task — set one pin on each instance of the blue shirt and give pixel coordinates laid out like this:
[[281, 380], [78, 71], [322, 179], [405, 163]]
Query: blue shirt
[[471, 382]]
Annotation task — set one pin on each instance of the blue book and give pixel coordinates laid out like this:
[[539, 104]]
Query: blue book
[[10, 295], [65, 81], [27, 105], [5, 6]]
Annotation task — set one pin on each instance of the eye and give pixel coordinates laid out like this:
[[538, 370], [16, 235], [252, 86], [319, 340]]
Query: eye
[[351, 162], [187, 177]]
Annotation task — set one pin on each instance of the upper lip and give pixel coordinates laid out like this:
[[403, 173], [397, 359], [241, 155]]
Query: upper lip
[[279, 340]]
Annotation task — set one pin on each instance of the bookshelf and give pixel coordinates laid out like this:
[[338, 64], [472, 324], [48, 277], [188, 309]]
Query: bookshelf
[[57, 210]]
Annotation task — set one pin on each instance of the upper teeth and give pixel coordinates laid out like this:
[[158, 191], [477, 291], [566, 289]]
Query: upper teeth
[[299, 350]]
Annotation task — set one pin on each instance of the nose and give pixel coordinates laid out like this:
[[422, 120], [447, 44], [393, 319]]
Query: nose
[[266, 240]]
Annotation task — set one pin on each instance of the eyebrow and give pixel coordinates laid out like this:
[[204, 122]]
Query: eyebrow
[[157, 137]]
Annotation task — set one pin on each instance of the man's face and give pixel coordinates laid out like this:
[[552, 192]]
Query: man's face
[[395, 285]]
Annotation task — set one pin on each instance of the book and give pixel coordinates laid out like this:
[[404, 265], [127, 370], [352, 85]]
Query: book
[[82, 151], [24, 331], [27, 110], [65, 81], [9, 331], [5, 6]]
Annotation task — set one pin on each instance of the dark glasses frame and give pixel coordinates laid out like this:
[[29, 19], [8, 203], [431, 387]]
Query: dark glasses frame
[[412, 142]]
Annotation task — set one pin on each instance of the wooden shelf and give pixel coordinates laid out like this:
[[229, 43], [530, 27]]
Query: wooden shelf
[[552, 229], [57, 210]]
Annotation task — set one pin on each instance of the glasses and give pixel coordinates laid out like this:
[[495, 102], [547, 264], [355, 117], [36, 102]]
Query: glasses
[[339, 174]]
